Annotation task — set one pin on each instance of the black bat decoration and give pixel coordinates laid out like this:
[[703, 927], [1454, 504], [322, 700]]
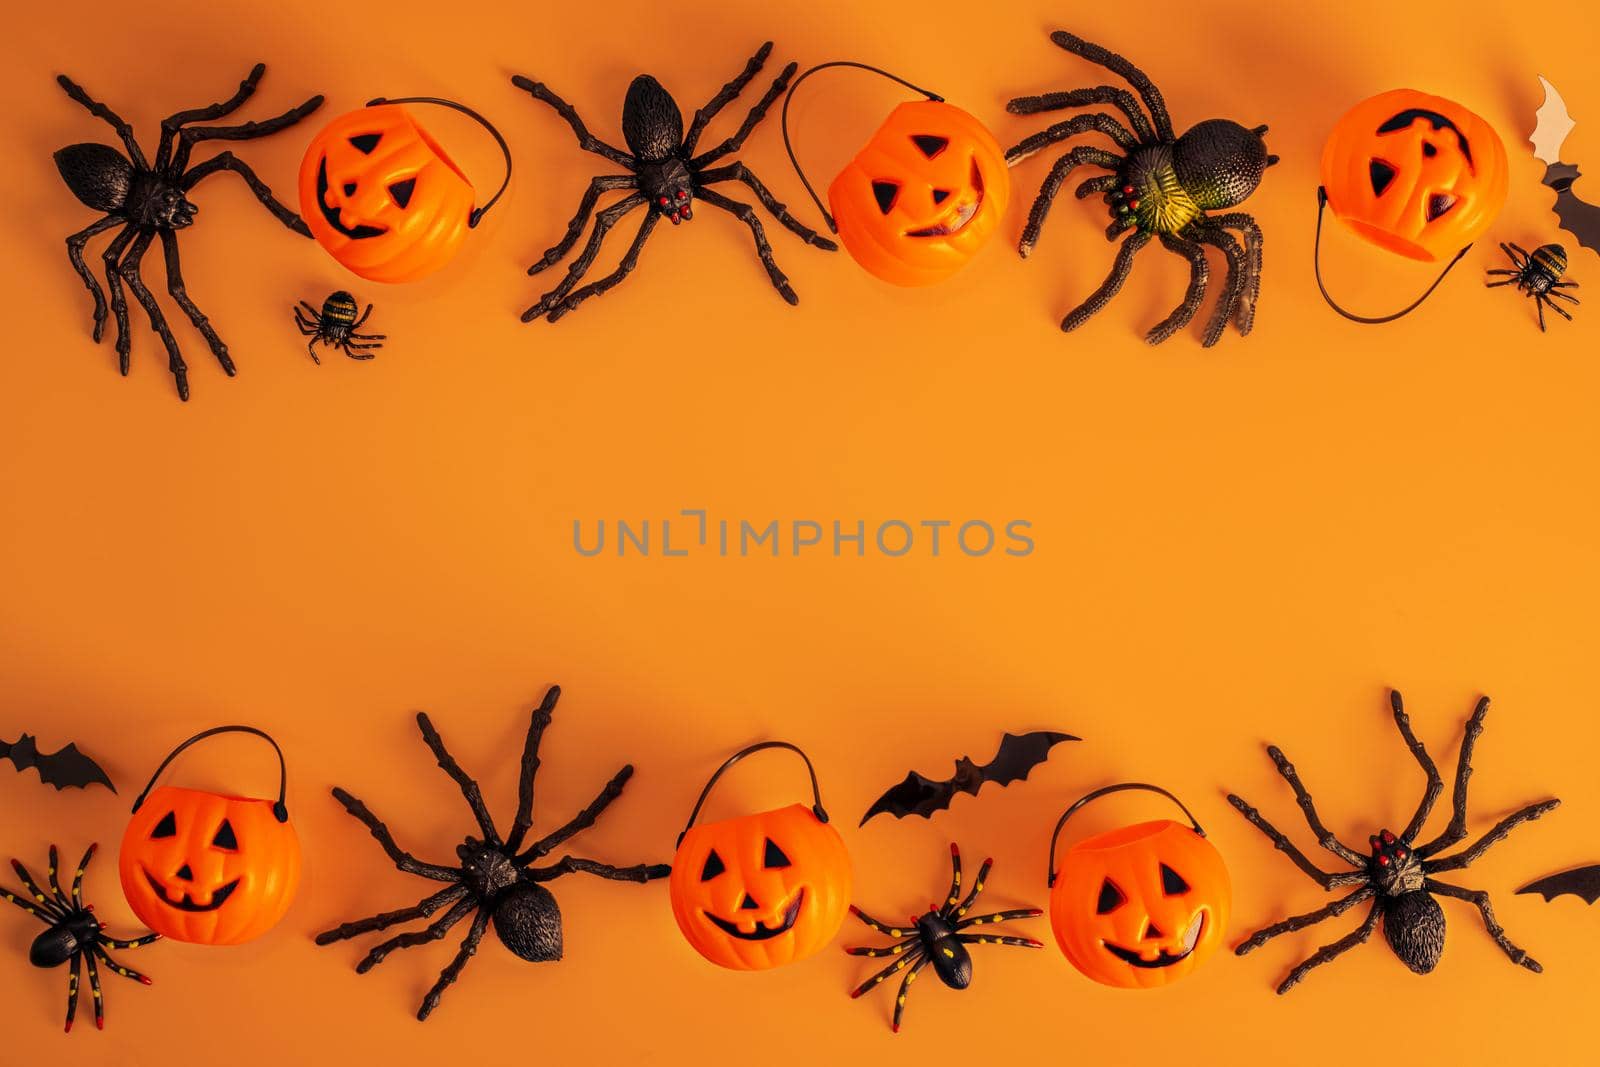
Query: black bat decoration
[[1019, 754], [62, 768], [1551, 126], [1580, 882]]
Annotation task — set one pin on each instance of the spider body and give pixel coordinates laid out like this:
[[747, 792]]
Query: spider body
[[72, 934], [1162, 187], [1539, 275], [497, 880], [664, 174], [1396, 876], [336, 326], [150, 201], [938, 937]]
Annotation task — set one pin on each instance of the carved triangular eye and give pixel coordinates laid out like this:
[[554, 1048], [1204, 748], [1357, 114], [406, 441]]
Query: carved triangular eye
[[366, 142], [1438, 204], [774, 857], [714, 866], [929, 144], [224, 838], [1381, 174], [884, 193], [1172, 883], [1111, 897], [167, 827], [401, 191], [939, 195]]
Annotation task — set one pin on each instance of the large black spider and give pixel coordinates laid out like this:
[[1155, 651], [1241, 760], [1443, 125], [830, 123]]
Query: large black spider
[[1538, 275], [1162, 187], [73, 933], [936, 937], [665, 173], [495, 880], [151, 199], [1397, 876]]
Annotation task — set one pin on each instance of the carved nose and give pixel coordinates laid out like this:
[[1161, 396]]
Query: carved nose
[[1152, 932], [749, 903], [184, 873]]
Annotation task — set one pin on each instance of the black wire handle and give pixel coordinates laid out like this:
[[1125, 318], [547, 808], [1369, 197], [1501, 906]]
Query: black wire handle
[[505, 149], [1050, 879], [1316, 261], [816, 791], [280, 810], [789, 145]]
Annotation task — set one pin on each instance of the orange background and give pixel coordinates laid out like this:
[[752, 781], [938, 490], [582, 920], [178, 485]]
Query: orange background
[[1233, 546]]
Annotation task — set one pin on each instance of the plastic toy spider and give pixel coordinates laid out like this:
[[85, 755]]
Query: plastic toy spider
[[1397, 876], [495, 880], [936, 938], [151, 199], [664, 173], [1163, 186], [1538, 274], [73, 933], [336, 325]]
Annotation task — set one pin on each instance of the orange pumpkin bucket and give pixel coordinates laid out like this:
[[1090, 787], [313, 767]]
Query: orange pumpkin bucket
[[1139, 906], [759, 891], [208, 868], [384, 197]]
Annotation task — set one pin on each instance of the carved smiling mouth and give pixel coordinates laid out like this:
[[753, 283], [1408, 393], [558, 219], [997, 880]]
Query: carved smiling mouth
[[331, 215], [963, 215], [184, 903], [762, 932], [1165, 958]]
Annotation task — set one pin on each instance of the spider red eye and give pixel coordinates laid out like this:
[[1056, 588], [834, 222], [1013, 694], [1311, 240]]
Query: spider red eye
[[1388, 838], [1383, 861], [663, 201], [683, 194]]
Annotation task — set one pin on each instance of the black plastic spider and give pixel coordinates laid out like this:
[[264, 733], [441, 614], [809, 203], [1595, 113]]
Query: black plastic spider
[[73, 933], [1538, 274], [936, 938], [1396, 877], [336, 325], [1162, 187], [494, 880], [665, 173], [149, 200]]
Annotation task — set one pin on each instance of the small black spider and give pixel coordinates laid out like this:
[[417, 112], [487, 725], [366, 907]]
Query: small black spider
[[495, 881], [665, 173], [1164, 186], [149, 200], [73, 934], [1538, 274], [1396, 876], [936, 938], [336, 325]]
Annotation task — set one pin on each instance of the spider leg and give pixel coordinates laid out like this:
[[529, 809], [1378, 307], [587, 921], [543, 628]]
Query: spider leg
[[119, 301], [725, 96], [94, 991], [75, 245], [360, 337], [630, 259], [358, 351], [1302, 796], [180, 296], [602, 184], [170, 124], [639, 872], [53, 875], [434, 931], [1325, 879], [746, 214], [1119, 226], [894, 968], [365, 315], [1512, 246], [757, 113], [996, 939], [882, 927], [1104, 57], [1496, 285], [1097, 121], [977, 887], [1083, 155], [884, 950], [77, 877], [469, 787], [953, 897], [1563, 296], [581, 821], [311, 347], [45, 904], [1457, 829], [117, 968], [1110, 287], [1300, 922], [740, 173], [38, 913], [1565, 285], [1233, 282], [586, 140], [307, 327], [129, 269], [1435, 783], [1199, 275], [1245, 316], [1539, 304], [1480, 899], [72, 989], [1493, 837], [452, 970], [383, 920], [402, 859], [111, 118], [603, 222], [905, 989], [138, 942], [1000, 917], [1102, 184], [1501, 271], [190, 136], [1512, 256], [1101, 94], [229, 161], [1332, 951]]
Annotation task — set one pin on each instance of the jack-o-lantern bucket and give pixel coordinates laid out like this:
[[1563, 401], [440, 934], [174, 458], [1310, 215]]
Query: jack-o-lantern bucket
[[923, 196], [384, 197], [206, 867], [1139, 906], [759, 891]]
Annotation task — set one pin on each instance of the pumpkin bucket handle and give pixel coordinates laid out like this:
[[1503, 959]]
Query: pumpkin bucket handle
[[816, 791], [505, 150], [1050, 879], [784, 123], [279, 809], [1316, 263]]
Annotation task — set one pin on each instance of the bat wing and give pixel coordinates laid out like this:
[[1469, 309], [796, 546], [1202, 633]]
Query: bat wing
[[1578, 217], [62, 768], [1551, 125], [920, 795], [1019, 754], [1579, 882]]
